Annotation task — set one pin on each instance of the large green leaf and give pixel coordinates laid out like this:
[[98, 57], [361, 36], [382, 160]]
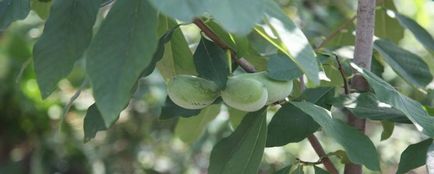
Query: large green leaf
[[414, 156], [291, 124], [365, 105], [386, 26], [93, 122], [237, 16], [279, 67], [359, 147], [177, 57], [410, 108], [242, 151], [184, 10], [66, 36], [407, 65], [211, 62], [12, 10], [190, 129], [296, 43], [120, 51], [418, 31]]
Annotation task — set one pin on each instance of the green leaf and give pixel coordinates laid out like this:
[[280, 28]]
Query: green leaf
[[291, 124], [93, 123], [184, 10], [296, 43], [12, 10], [414, 156], [366, 105], [388, 128], [430, 159], [284, 170], [171, 110], [279, 67], [407, 65], [298, 170], [238, 16], [242, 151], [422, 35], [177, 57], [42, 8], [190, 129], [120, 51], [236, 116], [410, 108], [211, 62], [319, 170], [67, 34], [359, 147], [385, 25]]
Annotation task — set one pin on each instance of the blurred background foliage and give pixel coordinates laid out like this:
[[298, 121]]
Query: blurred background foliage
[[31, 140]]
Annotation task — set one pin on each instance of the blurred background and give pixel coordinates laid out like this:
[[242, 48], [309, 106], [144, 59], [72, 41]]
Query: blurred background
[[31, 141]]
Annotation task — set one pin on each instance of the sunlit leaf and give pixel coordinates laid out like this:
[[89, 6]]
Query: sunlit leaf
[[358, 146], [410, 108], [280, 67], [120, 51], [67, 34], [422, 35], [242, 151]]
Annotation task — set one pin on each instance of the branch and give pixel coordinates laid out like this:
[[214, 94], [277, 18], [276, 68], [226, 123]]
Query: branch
[[321, 153], [362, 57], [243, 63]]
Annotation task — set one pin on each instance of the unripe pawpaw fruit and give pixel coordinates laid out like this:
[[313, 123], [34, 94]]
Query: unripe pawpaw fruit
[[192, 92], [277, 90], [244, 94]]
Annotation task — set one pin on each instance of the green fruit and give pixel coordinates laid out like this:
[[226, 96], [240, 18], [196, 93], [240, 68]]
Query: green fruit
[[192, 92], [244, 94], [277, 90]]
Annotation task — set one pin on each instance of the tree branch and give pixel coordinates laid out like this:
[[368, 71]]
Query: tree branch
[[321, 153], [362, 57], [243, 63]]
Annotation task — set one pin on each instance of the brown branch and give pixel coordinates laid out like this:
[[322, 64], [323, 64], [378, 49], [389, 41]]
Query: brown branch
[[362, 57], [321, 153], [243, 63]]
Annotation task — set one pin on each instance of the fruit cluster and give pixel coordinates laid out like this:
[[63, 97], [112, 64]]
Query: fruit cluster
[[246, 92]]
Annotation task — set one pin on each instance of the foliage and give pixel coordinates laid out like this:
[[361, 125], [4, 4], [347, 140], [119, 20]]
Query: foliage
[[129, 49]]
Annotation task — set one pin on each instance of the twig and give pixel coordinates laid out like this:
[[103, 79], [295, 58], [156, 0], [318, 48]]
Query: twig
[[342, 71], [321, 153], [243, 63], [71, 101], [23, 67]]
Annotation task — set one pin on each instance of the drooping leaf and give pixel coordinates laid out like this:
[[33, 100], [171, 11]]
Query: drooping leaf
[[410, 108], [190, 129], [211, 62], [184, 10], [12, 10], [242, 151], [388, 128], [291, 124], [67, 34], [418, 31], [284, 170], [407, 65], [366, 105], [120, 51], [238, 16], [93, 123], [296, 43], [319, 170], [386, 26], [430, 159], [414, 156], [177, 57], [280, 67], [359, 147], [171, 110]]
